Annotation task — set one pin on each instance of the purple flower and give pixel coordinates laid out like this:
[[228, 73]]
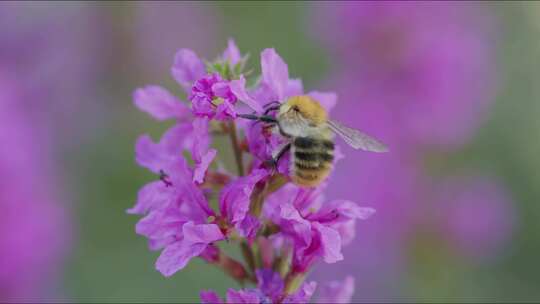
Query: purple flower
[[270, 283], [475, 215], [270, 289], [235, 200], [159, 103], [296, 229], [238, 87], [210, 297], [232, 53], [211, 97], [196, 237], [337, 291], [185, 135], [187, 68], [212, 92], [201, 154], [176, 219], [182, 137], [244, 296], [317, 229]]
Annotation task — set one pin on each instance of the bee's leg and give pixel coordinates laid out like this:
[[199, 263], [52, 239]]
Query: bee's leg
[[274, 161], [263, 118], [268, 119]]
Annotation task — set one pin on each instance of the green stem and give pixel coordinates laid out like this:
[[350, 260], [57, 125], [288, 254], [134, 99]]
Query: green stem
[[236, 148], [293, 281], [234, 269], [249, 256]]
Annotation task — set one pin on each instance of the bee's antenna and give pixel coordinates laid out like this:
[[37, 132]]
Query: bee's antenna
[[271, 103], [270, 109]]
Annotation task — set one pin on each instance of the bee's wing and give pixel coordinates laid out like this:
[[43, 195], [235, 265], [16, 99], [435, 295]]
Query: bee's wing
[[355, 138]]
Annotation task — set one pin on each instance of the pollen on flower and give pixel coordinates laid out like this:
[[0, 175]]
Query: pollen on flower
[[275, 222]]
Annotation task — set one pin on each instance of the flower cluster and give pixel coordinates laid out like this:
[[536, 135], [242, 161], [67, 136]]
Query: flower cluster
[[196, 204]]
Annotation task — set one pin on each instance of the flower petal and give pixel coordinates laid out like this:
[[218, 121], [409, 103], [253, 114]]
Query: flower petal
[[182, 179], [202, 166], [270, 283], [158, 244], [292, 223], [210, 297], [161, 224], [275, 73], [238, 87], [248, 227], [330, 242], [201, 138], [201, 233], [176, 139], [235, 197], [232, 53], [337, 291], [148, 154], [294, 87], [225, 111], [243, 296], [339, 211], [326, 99], [347, 231], [176, 256], [151, 196], [187, 68], [159, 103]]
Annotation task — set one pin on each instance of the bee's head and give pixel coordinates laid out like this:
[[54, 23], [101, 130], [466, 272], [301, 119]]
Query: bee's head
[[305, 107]]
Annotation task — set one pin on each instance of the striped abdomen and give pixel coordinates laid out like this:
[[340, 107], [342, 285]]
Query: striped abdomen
[[311, 160]]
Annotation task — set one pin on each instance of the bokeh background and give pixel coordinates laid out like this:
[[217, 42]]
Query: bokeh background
[[451, 87]]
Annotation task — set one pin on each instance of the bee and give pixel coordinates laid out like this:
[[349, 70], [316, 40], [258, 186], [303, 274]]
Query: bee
[[306, 124]]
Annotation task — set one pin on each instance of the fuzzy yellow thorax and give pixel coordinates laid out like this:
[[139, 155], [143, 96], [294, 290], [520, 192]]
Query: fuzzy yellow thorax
[[307, 107]]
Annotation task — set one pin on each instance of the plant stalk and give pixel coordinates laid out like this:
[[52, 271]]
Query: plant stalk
[[236, 148]]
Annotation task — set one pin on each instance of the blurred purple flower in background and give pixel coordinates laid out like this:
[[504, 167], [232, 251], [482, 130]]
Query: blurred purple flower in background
[[33, 222], [48, 76], [419, 77], [423, 71], [52, 53], [474, 214], [162, 28]]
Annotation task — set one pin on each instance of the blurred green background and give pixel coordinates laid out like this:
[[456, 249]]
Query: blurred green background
[[109, 262]]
